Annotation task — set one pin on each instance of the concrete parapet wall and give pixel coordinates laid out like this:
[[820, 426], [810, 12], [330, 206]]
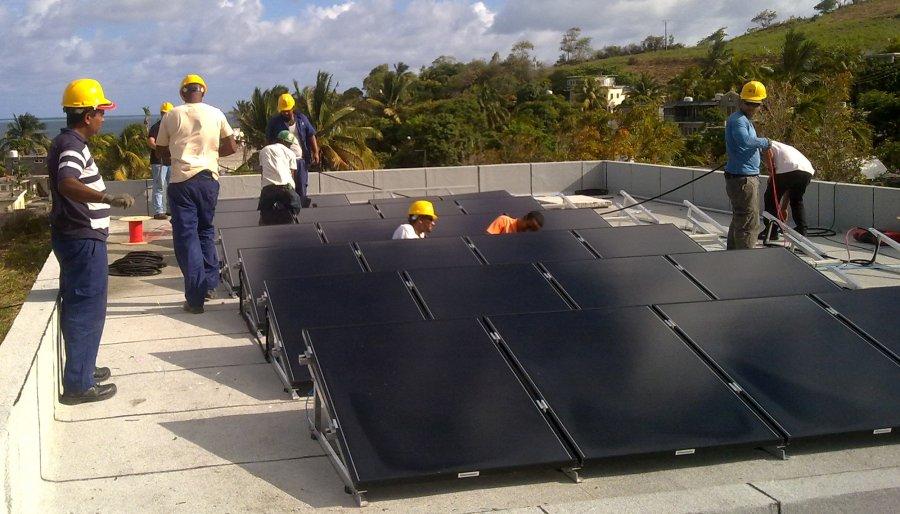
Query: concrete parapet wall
[[593, 174], [515, 178], [548, 178], [452, 179]]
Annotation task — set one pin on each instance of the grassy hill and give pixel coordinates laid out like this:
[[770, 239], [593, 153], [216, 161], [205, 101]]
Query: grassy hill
[[868, 26]]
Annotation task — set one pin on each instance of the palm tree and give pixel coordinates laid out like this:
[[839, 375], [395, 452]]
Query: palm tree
[[339, 128], [797, 59], [122, 157], [147, 116], [254, 114], [392, 93], [645, 89], [25, 135], [492, 105]]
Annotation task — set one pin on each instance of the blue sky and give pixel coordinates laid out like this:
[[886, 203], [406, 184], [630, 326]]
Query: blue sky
[[140, 49]]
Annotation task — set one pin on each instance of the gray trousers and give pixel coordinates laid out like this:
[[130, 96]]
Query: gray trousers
[[743, 193]]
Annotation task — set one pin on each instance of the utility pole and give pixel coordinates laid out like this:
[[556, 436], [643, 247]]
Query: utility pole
[[666, 34]]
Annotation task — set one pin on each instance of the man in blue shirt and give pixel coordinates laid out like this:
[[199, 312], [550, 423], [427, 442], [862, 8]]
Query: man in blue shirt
[[742, 169], [307, 147]]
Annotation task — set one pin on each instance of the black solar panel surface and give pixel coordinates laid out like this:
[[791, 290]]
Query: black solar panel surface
[[424, 400], [329, 200], [624, 282], [477, 196], [236, 219], [417, 253], [341, 213], [622, 383], [482, 290], [754, 273], [361, 230], [513, 206], [546, 245], [234, 239], [403, 200], [262, 264], [809, 371], [462, 225], [236, 205], [559, 219], [639, 240], [872, 310], [399, 210], [333, 300]]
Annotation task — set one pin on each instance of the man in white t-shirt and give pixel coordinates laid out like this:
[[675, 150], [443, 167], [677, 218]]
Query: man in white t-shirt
[[792, 174], [278, 200], [422, 219]]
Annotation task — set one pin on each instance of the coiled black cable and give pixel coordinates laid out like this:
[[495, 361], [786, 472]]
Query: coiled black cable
[[138, 264]]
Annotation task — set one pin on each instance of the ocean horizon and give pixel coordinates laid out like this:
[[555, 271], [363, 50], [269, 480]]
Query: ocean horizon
[[112, 124]]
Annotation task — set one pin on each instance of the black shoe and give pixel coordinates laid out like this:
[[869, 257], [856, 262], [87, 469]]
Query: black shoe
[[774, 237], [193, 310], [101, 375], [160, 216], [98, 393], [210, 294]]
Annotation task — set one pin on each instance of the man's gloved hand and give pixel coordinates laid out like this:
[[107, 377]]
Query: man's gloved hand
[[121, 200]]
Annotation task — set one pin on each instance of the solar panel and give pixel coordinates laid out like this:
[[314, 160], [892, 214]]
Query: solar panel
[[403, 200], [462, 225], [568, 219], [360, 230], [331, 300], [639, 240], [805, 368], [624, 282], [233, 239], [341, 213], [418, 253], [424, 400], [399, 210], [259, 265], [236, 219], [478, 196], [546, 245], [872, 311], [482, 290], [329, 200], [236, 205], [513, 206], [754, 273], [622, 383]]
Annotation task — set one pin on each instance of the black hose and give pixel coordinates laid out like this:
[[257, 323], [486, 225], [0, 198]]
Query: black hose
[[138, 264]]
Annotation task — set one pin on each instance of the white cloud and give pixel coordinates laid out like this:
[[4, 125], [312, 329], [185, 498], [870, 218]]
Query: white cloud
[[140, 49]]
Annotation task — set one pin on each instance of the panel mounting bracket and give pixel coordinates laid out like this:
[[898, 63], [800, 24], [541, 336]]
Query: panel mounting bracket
[[777, 451], [573, 474]]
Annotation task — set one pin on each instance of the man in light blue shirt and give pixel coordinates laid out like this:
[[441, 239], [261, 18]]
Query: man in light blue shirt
[[742, 169]]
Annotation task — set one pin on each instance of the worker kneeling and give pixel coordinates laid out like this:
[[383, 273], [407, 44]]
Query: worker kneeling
[[422, 219], [278, 200], [531, 222]]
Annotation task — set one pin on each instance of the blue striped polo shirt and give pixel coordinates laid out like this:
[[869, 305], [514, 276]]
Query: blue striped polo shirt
[[69, 157]]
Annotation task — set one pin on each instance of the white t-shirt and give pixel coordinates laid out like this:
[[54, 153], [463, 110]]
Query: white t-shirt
[[788, 159], [192, 133], [406, 231], [295, 147], [277, 162]]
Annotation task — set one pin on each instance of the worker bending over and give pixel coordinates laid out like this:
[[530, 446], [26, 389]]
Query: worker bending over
[[192, 137], [278, 200], [791, 175], [422, 219], [742, 169], [531, 222]]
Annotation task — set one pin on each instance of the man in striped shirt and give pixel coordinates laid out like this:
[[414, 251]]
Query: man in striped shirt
[[79, 226]]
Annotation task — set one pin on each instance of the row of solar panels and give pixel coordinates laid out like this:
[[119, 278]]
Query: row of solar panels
[[334, 290], [233, 239], [462, 397], [243, 213]]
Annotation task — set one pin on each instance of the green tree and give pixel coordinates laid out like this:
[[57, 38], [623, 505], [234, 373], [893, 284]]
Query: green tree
[[764, 18], [388, 91], [645, 89], [717, 54], [826, 6], [797, 61], [147, 116], [26, 135], [340, 129], [883, 113], [122, 157]]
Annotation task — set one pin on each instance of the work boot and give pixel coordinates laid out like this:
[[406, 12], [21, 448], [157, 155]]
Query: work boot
[[98, 393], [160, 216], [774, 237], [101, 375], [193, 310], [210, 294]]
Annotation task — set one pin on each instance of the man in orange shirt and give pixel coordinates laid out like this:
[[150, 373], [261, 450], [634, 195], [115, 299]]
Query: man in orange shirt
[[531, 222]]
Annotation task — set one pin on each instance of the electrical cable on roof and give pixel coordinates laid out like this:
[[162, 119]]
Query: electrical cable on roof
[[138, 264], [717, 168]]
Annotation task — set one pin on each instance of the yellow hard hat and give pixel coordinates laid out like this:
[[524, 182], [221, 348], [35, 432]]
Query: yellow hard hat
[[166, 107], [422, 208], [286, 102], [753, 91], [86, 93], [194, 79]]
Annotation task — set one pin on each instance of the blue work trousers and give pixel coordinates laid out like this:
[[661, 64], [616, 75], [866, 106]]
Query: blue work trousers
[[83, 270], [301, 180], [193, 206], [160, 173]]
